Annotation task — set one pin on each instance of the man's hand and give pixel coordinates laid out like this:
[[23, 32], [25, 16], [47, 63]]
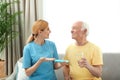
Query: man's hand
[[83, 63]]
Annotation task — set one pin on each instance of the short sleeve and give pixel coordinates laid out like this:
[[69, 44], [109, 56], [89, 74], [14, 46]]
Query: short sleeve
[[66, 55], [26, 57], [97, 57], [55, 54]]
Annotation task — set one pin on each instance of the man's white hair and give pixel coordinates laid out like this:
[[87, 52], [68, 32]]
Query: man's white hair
[[85, 26]]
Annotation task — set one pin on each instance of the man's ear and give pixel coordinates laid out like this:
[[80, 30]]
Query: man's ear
[[85, 31]]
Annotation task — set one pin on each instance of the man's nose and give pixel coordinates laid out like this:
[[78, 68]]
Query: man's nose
[[71, 31]]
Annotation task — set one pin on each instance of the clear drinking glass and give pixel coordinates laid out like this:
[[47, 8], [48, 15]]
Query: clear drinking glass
[[79, 57]]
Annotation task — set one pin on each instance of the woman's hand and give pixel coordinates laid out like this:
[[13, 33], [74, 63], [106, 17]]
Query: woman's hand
[[43, 59]]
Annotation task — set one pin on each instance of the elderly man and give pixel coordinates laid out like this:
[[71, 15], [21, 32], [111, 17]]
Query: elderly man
[[85, 58]]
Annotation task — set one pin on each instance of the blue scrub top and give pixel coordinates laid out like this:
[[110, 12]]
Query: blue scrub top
[[33, 52]]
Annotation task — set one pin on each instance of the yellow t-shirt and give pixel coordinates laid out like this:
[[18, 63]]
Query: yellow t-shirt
[[93, 55]]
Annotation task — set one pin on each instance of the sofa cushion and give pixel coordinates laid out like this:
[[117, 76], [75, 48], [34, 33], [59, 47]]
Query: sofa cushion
[[21, 72]]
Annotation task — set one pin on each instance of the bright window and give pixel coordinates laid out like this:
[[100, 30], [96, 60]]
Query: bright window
[[103, 17]]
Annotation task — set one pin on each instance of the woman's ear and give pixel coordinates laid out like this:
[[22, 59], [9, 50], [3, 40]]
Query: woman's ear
[[39, 31]]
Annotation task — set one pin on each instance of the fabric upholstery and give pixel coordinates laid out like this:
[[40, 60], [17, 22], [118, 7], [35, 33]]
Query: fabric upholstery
[[111, 70]]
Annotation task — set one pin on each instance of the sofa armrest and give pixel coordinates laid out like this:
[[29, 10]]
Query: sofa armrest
[[14, 74]]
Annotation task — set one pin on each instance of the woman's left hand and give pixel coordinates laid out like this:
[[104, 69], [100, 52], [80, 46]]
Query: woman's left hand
[[43, 59]]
